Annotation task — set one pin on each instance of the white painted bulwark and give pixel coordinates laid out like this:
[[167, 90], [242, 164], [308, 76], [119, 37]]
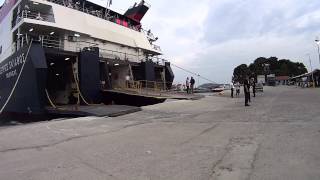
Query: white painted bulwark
[[95, 27]]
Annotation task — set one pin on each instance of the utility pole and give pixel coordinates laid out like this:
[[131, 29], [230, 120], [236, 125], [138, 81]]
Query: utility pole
[[198, 80], [318, 44], [313, 84]]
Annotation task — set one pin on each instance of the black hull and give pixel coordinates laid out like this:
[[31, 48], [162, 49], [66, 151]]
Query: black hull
[[25, 76], [130, 99], [23, 79]]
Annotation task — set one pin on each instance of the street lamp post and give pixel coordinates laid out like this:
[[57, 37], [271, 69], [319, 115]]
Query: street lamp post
[[198, 80], [313, 84], [318, 45]]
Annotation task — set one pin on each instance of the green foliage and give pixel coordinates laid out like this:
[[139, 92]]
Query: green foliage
[[240, 73], [272, 65]]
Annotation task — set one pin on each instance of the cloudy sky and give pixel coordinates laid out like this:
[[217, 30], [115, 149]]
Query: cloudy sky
[[211, 37]]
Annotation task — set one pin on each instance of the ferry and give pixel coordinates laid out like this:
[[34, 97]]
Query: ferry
[[56, 53]]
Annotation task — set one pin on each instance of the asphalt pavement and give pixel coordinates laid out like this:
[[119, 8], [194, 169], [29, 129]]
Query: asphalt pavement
[[216, 137]]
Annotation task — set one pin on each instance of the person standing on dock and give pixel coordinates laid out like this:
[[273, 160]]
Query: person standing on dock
[[187, 85], [254, 87], [246, 91], [237, 89], [192, 82], [232, 89]]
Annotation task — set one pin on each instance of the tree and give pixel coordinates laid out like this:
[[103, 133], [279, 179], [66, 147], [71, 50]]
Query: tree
[[282, 67], [240, 73]]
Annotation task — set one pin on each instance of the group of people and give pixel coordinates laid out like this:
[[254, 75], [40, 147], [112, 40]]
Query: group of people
[[190, 85], [247, 83], [235, 87]]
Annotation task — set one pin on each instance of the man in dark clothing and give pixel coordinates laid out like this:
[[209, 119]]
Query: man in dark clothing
[[192, 81], [246, 92], [249, 85], [187, 85], [232, 89]]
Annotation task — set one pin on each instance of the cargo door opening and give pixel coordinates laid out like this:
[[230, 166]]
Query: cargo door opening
[[118, 74], [61, 85]]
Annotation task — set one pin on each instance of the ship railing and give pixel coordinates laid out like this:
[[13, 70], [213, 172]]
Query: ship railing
[[111, 54], [149, 34], [36, 15], [76, 46], [159, 61], [102, 13], [147, 86], [47, 43], [156, 47]]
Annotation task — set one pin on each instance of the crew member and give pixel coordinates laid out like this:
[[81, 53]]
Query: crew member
[[246, 92], [192, 82], [187, 85]]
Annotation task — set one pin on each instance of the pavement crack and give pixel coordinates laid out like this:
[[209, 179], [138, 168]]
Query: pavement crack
[[200, 134], [253, 162], [101, 171], [71, 139], [228, 148]]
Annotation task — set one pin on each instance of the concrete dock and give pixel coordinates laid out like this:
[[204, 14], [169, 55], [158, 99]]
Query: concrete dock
[[214, 138]]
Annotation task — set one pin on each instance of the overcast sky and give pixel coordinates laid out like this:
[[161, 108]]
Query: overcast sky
[[211, 37]]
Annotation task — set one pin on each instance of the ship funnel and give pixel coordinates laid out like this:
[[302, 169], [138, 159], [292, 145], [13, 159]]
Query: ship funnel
[[137, 11]]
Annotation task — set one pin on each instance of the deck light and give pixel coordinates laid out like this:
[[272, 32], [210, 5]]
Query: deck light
[[35, 3], [57, 74], [116, 64], [51, 64], [77, 35], [52, 33], [31, 29], [67, 59]]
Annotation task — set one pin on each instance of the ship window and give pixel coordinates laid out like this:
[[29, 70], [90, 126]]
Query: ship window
[[0, 49], [71, 38]]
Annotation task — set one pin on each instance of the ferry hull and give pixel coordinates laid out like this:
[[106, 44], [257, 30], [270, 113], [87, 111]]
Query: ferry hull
[[25, 77], [23, 82]]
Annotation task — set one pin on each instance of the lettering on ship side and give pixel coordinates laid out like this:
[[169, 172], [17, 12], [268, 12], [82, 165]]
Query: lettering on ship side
[[10, 68]]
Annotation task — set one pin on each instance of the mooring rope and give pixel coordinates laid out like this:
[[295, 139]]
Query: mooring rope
[[188, 71], [49, 99], [78, 88]]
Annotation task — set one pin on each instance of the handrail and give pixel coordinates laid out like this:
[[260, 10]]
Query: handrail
[[98, 13], [77, 46], [32, 15], [140, 85]]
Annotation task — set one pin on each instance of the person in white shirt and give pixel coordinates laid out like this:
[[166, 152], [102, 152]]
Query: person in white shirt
[[237, 89]]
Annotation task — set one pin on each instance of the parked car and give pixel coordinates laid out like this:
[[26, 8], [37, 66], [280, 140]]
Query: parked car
[[218, 89], [259, 87]]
